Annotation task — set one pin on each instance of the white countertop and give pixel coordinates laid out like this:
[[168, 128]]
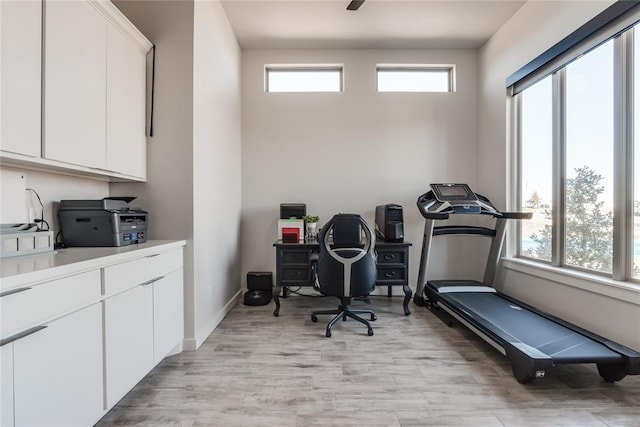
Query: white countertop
[[31, 269]]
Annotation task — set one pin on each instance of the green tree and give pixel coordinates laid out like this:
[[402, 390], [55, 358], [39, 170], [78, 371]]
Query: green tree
[[534, 201], [588, 228]]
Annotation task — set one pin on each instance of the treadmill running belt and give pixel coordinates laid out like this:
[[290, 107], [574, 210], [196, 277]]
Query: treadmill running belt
[[516, 324]]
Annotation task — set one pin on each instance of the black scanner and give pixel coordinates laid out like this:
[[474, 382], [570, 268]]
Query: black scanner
[[389, 223]]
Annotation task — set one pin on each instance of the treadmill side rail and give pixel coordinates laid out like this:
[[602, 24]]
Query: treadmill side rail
[[631, 357], [526, 368]]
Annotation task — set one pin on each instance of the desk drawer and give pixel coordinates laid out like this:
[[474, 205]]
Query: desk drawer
[[296, 275], [26, 306], [390, 274], [391, 257], [295, 257], [131, 273]]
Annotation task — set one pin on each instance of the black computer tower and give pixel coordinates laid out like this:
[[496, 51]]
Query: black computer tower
[[389, 223]]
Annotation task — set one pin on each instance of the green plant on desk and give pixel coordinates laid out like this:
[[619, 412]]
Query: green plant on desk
[[311, 219], [311, 222]]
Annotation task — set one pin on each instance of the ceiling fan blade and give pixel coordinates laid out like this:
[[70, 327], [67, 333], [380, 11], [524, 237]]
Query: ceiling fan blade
[[355, 4]]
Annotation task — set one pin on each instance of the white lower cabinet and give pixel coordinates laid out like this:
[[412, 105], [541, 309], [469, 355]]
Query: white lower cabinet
[[57, 372], [71, 346], [168, 317], [6, 385], [128, 340]]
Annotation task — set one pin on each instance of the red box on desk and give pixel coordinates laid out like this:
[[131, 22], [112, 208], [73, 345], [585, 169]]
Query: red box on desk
[[291, 230]]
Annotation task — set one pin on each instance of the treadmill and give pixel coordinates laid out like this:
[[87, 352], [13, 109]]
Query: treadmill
[[532, 340]]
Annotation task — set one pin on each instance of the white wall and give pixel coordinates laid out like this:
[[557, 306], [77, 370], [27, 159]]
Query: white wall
[[52, 188], [194, 156], [534, 28], [351, 151], [216, 166]]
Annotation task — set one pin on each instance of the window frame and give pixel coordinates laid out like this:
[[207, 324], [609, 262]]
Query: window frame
[[303, 68], [449, 69], [623, 161]]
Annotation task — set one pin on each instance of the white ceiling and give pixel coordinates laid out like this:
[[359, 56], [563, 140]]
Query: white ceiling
[[396, 24]]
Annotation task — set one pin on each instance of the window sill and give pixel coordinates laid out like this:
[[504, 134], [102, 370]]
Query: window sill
[[624, 291]]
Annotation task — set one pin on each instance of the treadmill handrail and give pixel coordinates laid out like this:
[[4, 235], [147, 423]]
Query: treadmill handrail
[[463, 229], [517, 215], [436, 215], [428, 197]]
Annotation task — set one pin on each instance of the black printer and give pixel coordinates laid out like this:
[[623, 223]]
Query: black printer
[[106, 222]]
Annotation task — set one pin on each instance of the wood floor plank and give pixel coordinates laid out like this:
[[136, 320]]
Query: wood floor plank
[[260, 370]]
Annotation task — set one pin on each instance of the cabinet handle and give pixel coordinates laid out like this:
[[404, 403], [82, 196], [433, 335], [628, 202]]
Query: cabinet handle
[[390, 274], [148, 282], [389, 256], [22, 335], [151, 256], [13, 291]]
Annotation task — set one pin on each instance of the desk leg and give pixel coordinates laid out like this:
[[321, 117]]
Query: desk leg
[[407, 298], [276, 299]]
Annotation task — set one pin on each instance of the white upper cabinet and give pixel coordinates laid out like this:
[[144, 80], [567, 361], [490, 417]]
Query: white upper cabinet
[[20, 76], [75, 83], [126, 110], [73, 89]]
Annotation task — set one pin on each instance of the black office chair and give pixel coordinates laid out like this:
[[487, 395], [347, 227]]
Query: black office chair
[[346, 266]]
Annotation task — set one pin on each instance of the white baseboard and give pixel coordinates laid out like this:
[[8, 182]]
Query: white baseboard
[[192, 344]]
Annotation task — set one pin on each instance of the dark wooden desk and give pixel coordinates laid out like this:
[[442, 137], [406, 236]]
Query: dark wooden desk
[[293, 268]]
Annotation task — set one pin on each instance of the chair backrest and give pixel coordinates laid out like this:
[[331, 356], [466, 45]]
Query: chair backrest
[[347, 260]]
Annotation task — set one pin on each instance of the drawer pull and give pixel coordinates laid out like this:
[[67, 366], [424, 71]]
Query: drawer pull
[[387, 257], [148, 282], [13, 291], [151, 256], [389, 274], [22, 335]]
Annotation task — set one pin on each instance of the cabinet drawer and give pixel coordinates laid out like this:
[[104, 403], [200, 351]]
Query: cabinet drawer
[[295, 257], [391, 274], [391, 257], [131, 273], [45, 301], [296, 275]]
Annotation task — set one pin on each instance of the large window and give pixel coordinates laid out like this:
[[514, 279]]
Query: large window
[[588, 186], [536, 169], [578, 162], [635, 267]]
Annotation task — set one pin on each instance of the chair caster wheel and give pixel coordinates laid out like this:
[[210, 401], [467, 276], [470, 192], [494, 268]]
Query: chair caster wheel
[[314, 319], [373, 317], [370, 332], [328, 334]]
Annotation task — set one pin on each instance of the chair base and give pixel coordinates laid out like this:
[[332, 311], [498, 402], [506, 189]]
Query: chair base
[[343, 312]]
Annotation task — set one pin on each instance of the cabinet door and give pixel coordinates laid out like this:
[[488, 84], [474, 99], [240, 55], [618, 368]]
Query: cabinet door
[[128, 340], [126, 74], [20, 76], [75, 83], [167, 315], [6, 385], [58, 372]]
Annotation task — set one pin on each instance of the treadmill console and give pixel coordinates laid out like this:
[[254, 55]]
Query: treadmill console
[[454, 199], [453, 192]]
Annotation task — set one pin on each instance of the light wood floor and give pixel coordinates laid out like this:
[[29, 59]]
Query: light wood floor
[[260, 370]]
